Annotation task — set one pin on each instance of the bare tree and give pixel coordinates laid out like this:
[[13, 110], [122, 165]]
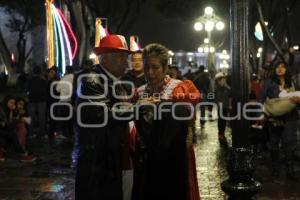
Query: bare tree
[[25, 15], [5, 53], [120, 14], [273, 16]]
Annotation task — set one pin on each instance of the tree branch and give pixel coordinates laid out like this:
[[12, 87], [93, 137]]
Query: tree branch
[[125, 15], [28, 53], [265, 28]]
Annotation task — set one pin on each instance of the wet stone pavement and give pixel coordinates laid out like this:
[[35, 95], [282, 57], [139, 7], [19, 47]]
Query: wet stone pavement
[[48, 178], [51, 177], [211, 164]]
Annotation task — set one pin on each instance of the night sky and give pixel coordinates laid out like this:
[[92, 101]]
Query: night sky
[[179, 34], [295, 25], [176, 34]]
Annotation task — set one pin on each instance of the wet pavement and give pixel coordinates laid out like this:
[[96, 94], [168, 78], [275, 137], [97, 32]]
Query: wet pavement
[[211, 161], [48, 178], [51, 177]]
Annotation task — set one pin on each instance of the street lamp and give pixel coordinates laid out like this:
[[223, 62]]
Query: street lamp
[[206, 49], [224, 65], [209, 22], [198, 26], [209, 26], [208, 10], [200, 50], [220, 25]]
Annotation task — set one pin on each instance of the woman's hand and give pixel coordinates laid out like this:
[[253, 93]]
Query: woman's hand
[[295, 99], [2, 124], [149, 100]]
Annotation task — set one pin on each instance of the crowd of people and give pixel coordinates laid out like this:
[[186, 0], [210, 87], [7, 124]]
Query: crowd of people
[[132, 119]]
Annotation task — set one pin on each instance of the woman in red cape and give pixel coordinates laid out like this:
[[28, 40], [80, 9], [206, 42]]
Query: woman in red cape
[[170, 164]]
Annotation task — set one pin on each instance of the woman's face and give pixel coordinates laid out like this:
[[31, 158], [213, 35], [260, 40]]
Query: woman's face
[[154, 71], [280, 70], [222, 81], [20, 105], [11, 104]]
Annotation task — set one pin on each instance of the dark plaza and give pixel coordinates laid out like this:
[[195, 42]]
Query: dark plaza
[[149, 100]]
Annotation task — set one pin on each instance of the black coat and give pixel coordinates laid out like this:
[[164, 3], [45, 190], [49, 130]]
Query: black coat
[[99, 168], [137, 81], [166, 163]]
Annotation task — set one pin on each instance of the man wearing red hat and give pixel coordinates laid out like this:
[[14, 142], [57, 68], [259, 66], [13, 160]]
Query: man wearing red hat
[[102, 138]]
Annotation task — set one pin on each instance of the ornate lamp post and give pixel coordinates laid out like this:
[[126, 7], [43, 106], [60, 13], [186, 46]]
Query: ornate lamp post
[[240, 184], [209, 22], [224, 66], [206, 47]]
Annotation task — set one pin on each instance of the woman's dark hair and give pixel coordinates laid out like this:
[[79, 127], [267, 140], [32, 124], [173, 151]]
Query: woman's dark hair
[[287, 76], [20, 99], [6, 100], [4, 103]]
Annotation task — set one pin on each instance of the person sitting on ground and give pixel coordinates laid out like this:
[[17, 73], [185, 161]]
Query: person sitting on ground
[[8, 134]]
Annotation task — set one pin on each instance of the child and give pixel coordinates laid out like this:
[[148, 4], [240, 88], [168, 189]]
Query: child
[[22, 122], [223, 100]]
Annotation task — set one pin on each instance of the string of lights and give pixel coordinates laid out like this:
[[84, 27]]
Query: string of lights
[[59, 37]]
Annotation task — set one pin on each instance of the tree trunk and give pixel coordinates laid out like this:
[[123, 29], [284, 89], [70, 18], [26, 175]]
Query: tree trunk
[[5, 54], [21, 46], [76, 10]]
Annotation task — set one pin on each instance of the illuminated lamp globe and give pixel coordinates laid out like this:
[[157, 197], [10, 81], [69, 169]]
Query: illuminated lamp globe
[[198, 26], [209, 26], [220, 26], [200, 50], [208, 10]]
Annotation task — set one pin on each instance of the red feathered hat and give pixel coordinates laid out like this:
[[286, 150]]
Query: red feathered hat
[[112, 44]]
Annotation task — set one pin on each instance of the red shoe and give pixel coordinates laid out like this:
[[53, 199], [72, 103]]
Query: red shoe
[[28, 158], [223, 140], [2, 158]]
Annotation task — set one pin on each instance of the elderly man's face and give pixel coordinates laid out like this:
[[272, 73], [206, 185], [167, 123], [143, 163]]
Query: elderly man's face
[[116, 63]]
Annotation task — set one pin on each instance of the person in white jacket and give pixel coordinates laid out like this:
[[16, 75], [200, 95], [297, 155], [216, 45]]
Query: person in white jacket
[[65, 89], [65, 85]]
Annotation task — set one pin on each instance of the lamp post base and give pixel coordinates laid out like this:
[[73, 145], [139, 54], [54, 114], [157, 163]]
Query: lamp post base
[[240, 185]]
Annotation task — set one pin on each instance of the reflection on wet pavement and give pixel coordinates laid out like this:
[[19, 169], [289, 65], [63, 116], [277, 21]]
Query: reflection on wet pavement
[[210, 162], [51, 177]]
